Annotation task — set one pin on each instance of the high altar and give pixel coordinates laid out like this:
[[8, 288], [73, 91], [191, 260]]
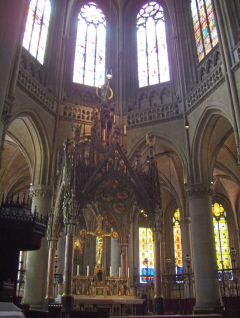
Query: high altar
[[94, 173]]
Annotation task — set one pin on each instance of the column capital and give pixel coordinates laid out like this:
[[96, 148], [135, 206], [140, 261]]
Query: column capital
[[70, 228], [185, 220], [124, 244], [198, 190], [40, 191], [52, 244]]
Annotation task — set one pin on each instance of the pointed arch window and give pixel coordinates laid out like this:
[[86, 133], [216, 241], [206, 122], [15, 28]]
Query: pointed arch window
[[36, 28], [153, 66], [221, 236], [89, 63], [146, 255], [205, 29], [177, 242]]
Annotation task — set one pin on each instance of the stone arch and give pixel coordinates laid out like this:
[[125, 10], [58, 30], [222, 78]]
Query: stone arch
[[172, 144], [213, 128], [172, 165], [30, 137]]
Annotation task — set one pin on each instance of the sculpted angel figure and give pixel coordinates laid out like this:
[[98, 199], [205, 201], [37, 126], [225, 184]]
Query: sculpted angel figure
[[151, 144], [76, 130]]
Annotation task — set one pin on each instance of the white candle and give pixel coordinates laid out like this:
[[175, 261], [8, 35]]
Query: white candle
[[119, 272], [88, 270], [77, 269], [128, 272], [110, 271], [124, 129]]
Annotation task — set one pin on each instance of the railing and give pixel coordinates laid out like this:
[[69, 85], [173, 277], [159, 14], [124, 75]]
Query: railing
[[38, 92], [229, 282], [154, 113], [22, 215], [77, 112], [205, 87]]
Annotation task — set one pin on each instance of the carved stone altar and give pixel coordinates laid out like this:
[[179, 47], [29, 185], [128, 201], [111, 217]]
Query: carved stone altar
[[118, 305]]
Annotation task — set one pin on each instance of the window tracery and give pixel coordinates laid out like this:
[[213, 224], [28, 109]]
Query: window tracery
[[89, 63], [177, 242], [153, 66], [146, 256], [221, 236], [205, 30], [36, 28]]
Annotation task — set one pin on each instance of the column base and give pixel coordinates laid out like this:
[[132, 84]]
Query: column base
[[158, 306], [47, 301], [67, 302], [203, 310]]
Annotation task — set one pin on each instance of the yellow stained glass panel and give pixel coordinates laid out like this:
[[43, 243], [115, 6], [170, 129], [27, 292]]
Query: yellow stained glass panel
[[221, 236]]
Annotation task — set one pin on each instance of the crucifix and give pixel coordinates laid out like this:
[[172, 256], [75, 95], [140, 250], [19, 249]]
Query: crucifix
[[99, 234]]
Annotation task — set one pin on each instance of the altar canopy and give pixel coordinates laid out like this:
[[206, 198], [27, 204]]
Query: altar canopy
[[94, 174]]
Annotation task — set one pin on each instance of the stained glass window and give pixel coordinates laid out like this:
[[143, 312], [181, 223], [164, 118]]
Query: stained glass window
[[221, 236], [89, 64], [205, 29], [153, 67], [177, 242], [36, 29], [146, 257]]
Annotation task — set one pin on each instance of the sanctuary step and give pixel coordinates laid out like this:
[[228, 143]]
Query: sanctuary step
[[173, 316]]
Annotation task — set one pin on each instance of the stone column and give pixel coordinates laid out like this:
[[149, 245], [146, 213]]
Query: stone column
[[124, 260], [36, 261], [67, 297], [158, 298], [52, 245], [204, 252], [61, 253], [115, 257], [185, 238], [187, 252], [12, 14]]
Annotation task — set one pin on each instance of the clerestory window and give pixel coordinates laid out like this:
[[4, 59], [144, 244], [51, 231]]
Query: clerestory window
[[152, 52], [89, 63], [205, 29], [36, 28]]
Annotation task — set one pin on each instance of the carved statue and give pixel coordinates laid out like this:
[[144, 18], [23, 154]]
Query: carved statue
[[76, 130], [151, 144]]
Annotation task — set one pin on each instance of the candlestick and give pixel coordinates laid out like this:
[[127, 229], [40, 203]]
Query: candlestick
[[128, 272]]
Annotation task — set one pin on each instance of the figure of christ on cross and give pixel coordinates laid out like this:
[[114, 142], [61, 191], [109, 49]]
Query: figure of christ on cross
[[99, 234]]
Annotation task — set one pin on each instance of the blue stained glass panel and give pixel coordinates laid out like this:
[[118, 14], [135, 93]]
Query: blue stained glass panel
[[204, 24]]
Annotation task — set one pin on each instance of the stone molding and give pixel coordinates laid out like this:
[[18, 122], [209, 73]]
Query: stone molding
[[185, 220], [40, 191], [198, 190], [157, 113]]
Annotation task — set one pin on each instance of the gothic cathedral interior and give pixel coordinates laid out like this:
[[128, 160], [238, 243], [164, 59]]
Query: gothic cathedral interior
[[120, 152]]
